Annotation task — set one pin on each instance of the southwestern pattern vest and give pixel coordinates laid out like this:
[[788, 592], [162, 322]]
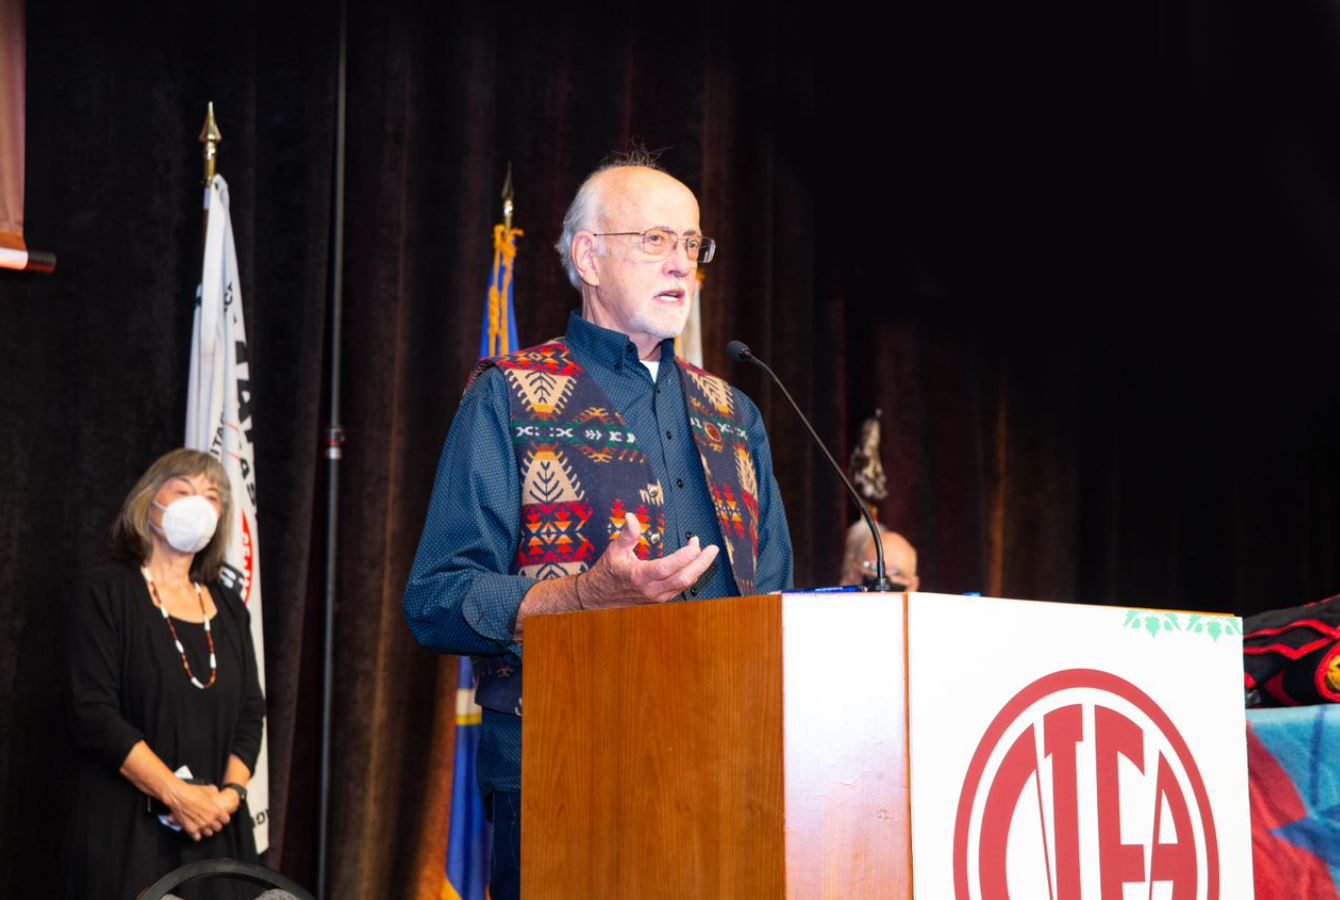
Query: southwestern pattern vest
[[582, 469]]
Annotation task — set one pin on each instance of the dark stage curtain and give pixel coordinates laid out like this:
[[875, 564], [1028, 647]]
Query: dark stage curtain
[[1084, 264], [95, 356]]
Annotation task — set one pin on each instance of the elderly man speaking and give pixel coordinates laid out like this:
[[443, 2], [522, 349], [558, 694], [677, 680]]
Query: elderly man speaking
[[592, 471]]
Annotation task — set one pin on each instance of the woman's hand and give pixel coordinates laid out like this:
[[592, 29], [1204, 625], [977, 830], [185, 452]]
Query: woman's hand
[[229, 800], [199, 809]]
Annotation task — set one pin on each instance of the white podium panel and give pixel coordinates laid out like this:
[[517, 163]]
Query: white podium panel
[[1069, 752]]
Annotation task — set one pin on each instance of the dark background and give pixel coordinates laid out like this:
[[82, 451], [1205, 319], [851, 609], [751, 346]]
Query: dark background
[[1083, 256]]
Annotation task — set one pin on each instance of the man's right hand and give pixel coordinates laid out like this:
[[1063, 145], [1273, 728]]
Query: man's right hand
[[619, 578]]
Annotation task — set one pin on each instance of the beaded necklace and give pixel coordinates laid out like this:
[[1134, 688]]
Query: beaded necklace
[[181, 651]]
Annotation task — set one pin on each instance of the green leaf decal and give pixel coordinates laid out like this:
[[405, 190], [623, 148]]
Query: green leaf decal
[[1154, 622]]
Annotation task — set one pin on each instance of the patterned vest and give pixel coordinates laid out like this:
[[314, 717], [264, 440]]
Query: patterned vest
[[582, 469]]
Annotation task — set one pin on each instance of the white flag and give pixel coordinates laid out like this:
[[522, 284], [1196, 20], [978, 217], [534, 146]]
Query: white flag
[[218, 421], [689, 344]]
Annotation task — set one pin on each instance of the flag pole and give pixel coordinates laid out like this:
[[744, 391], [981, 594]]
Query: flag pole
[[334, 441], [219, 421], [210, 136]]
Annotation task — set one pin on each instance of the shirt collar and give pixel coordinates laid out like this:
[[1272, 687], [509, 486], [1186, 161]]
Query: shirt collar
[[607, 348]]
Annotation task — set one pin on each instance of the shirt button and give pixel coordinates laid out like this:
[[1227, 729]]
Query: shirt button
[[669, 435], [679, 482], [693, 591], [688, 536]]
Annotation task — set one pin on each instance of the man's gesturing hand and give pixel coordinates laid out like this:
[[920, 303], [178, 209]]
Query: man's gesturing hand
[[619, 578]]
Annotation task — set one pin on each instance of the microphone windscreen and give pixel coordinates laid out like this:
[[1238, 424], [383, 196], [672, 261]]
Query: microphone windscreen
[[739, 351]]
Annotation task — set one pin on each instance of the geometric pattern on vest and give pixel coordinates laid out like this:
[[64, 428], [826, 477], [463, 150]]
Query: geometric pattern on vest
[[582, 469], [580, 464], [723, 445]]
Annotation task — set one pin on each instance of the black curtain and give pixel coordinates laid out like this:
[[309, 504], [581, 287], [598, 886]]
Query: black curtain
[[95, 356], [1082, 258]]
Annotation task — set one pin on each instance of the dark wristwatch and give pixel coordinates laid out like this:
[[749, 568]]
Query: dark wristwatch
[[241, 791]]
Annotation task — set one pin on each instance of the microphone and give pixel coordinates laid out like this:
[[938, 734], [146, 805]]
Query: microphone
[[740, 352]]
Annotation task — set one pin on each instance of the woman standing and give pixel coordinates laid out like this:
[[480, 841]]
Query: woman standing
[[165, 706]]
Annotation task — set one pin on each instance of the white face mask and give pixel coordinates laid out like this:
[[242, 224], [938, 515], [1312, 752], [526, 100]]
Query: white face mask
[[188, 523]]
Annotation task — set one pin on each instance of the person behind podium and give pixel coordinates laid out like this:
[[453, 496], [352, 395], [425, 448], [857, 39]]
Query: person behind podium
[[574, 478], [164, 701], [858, 559]]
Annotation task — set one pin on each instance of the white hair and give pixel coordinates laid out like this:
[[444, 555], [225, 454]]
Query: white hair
[[587, 207]]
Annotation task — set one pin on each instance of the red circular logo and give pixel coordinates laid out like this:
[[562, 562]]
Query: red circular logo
[[1081, 786], [248, 559]]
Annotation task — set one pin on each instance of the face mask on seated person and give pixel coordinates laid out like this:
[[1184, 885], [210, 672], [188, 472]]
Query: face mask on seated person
[[188, 523]]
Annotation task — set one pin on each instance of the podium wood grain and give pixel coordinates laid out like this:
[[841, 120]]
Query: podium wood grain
[[740, 748]]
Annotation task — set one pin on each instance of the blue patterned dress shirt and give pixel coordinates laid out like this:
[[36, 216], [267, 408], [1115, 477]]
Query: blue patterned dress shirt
[[462, 596]]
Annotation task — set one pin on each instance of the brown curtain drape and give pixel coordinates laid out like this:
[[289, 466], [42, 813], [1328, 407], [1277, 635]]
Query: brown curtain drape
[[95, 357]]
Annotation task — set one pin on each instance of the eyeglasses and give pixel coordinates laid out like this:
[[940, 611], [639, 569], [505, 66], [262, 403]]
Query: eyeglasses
[[663, 241], [870, 575]]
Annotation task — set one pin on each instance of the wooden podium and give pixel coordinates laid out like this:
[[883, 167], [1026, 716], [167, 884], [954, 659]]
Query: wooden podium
[[753, 747]]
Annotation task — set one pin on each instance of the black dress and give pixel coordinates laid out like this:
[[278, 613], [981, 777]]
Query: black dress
[[127, 684]]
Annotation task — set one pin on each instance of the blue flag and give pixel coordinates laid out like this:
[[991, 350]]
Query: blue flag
[[470, 838], [498, 336]]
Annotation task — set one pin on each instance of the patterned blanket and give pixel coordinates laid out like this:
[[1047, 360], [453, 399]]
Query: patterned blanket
[[1293, 757]]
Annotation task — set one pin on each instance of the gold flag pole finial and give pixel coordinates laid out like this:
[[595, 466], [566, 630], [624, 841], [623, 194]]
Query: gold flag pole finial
[[507, 197], [210, 136]]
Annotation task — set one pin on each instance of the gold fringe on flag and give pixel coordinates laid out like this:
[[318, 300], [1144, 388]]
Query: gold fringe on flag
[[504, 255]]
